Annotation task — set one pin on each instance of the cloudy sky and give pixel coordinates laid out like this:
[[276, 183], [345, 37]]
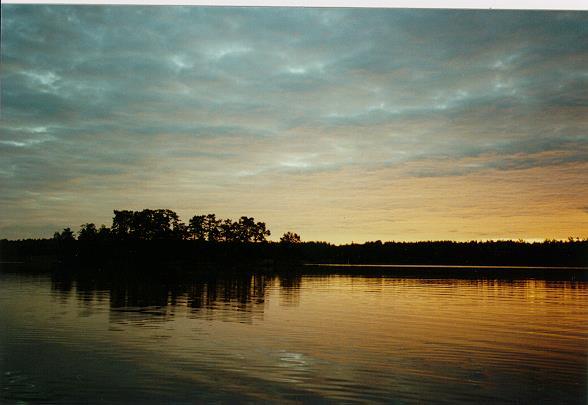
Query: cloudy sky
[[340, 124]]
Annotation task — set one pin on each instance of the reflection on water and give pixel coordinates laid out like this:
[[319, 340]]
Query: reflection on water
[[291, 338], [239, 298]]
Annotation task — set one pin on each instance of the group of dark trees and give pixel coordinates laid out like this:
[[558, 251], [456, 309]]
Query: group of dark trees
[[159, 236], [165, 224]]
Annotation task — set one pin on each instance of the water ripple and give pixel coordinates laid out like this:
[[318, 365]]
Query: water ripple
[[252, 338]]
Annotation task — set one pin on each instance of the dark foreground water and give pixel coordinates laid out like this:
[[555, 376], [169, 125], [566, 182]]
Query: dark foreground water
[[289, 338]]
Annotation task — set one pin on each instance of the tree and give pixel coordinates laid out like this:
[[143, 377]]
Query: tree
[[165, 224], [104, 232], [151, 224], [208, 227], [122, 224], [290, 238], [88, 232], [148, 224], [211, 228], [229, 231], [196, 227], [245, 229], [261, 232], [179, 230], [66, 235]]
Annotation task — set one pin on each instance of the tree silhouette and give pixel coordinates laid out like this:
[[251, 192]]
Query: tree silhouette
[[122, 224], [148, 224], [131, 226], [66, 235], [290, 238], [151, 224], [208, 227], [196, 227], [104, 232], [260, 232], [228, 231], [244, 230], [88, 232], [211, 228]]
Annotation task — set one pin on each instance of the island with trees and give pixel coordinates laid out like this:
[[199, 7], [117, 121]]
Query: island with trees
[[157, 239]]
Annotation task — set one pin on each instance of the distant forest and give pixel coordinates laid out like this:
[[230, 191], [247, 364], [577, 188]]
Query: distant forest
[[156, 237]]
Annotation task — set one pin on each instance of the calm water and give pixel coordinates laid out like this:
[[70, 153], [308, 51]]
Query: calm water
[[314, 338]]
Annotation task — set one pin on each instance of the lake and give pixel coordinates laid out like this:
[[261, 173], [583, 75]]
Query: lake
[[291, 338]]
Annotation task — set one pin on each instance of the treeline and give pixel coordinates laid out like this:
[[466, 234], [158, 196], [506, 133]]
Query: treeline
[[198, 252], [159, 237], [572, 252], [165, 224]]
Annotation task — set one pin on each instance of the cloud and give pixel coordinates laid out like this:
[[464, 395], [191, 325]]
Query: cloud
[[108, 106]]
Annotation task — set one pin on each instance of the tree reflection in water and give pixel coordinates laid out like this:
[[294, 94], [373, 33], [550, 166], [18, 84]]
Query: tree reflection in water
[[233, 296], [237, 296]]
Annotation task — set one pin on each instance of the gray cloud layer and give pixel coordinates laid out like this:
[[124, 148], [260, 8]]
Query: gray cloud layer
[[109, 106]]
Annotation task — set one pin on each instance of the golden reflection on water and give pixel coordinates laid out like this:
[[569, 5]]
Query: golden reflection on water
[[433, 316], [336, 337]]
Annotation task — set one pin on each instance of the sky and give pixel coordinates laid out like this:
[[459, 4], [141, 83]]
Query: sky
[[343, 125]]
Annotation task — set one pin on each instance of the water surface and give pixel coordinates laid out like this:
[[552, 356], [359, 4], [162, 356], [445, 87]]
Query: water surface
[[321, 338]]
